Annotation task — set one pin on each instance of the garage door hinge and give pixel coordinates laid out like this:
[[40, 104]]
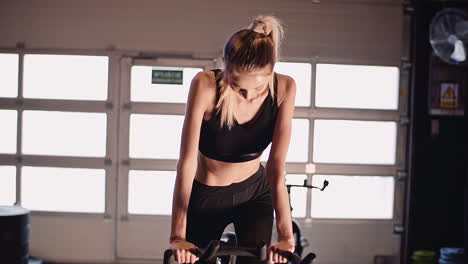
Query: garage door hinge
[[398, 229], [405, 65], [401, 175], [404, 120]]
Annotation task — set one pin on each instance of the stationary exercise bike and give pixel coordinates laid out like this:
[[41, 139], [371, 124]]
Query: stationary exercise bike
[[300, 241], [229, 237], [225, 250], [215, 250]]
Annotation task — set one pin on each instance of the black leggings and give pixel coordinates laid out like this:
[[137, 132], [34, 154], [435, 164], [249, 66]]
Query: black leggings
[[247, 204]]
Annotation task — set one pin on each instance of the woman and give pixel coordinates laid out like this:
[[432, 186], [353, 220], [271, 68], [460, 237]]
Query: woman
[[232, 115]]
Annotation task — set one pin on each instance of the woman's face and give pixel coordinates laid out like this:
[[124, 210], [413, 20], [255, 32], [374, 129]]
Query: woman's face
[[250, 84]]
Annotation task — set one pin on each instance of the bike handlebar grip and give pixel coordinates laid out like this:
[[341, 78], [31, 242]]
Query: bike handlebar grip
[[294, 258], [262, 251], [168, 259], [308, 259], [197, 251], [211, 250]]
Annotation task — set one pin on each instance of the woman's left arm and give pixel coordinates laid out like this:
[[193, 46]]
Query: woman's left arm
[[275, 166]]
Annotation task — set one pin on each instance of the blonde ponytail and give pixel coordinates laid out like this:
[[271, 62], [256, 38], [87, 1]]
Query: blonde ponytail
[[272, 26]]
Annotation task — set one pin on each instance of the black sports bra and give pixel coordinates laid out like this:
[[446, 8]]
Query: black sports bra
[[243, 142]]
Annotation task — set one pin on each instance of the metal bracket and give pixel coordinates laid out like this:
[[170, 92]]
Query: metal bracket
[[109, 105], [127, 106], [405, 65], [404, 120], [398, 229], [408, 8], [107, 162], [401, 175], [107, 218]]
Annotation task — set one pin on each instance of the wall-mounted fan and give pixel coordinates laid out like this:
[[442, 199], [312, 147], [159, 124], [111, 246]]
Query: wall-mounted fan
[[448, 34]]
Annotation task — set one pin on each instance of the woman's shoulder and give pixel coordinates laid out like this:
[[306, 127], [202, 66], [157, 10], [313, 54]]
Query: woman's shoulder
[[205, 76], [206, 80], [285, 83], [205, 83]]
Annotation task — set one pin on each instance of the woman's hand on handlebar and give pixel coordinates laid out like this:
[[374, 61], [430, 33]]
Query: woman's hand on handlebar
[[184, 251], [278, 251]]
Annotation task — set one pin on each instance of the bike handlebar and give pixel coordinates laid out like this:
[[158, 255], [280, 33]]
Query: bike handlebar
[[305, 185], [215, 249]]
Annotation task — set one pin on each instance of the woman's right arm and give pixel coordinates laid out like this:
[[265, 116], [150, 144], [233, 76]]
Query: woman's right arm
[[187, 163]]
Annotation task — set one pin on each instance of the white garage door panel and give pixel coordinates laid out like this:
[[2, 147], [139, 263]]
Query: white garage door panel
[[71, 239], [144, 238], [345, 241]]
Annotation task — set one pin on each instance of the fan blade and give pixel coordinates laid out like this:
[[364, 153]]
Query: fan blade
[[459, 53], [439, 41], [461, 28], [442, 30]]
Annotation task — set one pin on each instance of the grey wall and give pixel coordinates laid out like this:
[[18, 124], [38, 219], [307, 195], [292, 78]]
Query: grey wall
[[359, 31]]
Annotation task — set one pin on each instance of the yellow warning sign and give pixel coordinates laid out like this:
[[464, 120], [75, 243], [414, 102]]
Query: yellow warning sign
[[449, 95]]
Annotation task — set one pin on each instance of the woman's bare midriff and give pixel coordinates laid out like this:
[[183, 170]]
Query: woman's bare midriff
[[219, 173]]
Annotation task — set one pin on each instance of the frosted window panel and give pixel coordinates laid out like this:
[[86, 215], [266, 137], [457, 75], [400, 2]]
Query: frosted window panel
[[8, 131], [9, 75], [353, 197], [142, 90], [63, 189], [302, 75], [64, 133], [356, 86], [155, 136], [150, 192], [75, 77], [354, 142], [266, 153], [7, 185], [299, 143], [298, 194]]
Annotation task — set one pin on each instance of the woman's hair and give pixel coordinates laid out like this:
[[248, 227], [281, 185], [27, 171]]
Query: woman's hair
[[252, 48]]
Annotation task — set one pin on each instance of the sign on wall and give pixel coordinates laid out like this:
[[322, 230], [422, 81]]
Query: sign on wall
[[167, 77]]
